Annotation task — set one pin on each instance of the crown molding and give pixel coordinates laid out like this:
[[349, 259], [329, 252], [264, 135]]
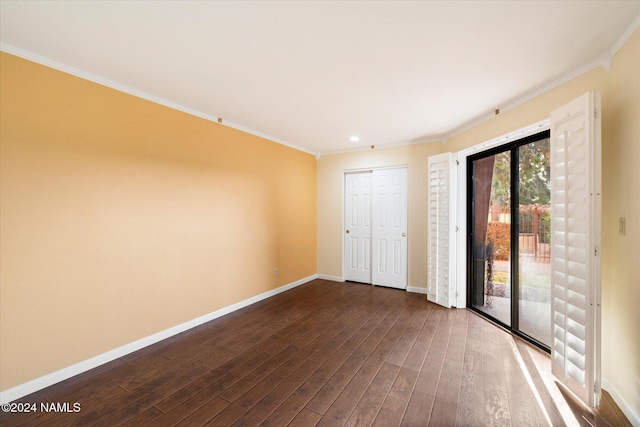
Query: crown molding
[[47, 62], [437, 138], [625, 36], [603, 61]]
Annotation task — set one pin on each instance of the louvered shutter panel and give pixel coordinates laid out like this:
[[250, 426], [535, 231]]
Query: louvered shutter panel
[[575, 216], [440, 223]]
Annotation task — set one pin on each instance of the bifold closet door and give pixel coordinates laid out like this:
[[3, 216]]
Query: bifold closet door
[[375, 243], [389, 228], [357, 221]]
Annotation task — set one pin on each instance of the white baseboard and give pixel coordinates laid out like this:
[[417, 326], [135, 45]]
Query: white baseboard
[[331, 278], [417, 290], [632, 415], [78, 368]]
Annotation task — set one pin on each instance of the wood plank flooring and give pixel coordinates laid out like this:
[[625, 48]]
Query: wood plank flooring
[[324, 353]]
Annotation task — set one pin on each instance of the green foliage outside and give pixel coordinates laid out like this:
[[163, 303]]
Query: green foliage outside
[[535, 174], [535, 190]]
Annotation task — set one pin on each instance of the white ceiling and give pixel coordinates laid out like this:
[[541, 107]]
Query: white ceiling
[[313, 73]]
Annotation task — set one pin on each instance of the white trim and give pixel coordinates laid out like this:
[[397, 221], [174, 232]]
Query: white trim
[[417, 290], [331, 278], [78, 368], [624, 37], [267, 137], [624, 406], [596, 108], [140, 94], [376, 168], [523, 132], [461, 226]]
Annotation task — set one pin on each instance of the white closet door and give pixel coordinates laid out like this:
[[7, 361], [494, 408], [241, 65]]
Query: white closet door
[[441, 230], [357, 248], [389, 228], [575, 240]]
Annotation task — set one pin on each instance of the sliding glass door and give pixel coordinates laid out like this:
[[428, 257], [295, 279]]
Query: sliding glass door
[[509, 255]]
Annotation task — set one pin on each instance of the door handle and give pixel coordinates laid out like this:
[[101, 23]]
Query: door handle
[[404, 234], [347, 231]]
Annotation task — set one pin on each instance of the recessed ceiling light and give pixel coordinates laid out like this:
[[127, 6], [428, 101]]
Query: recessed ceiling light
[[354, 138]]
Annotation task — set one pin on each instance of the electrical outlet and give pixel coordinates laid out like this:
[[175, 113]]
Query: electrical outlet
[[622, 225], [275, 272]]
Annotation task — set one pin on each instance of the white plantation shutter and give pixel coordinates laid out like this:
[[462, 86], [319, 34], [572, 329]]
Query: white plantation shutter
[[575, 240], [441, 241]]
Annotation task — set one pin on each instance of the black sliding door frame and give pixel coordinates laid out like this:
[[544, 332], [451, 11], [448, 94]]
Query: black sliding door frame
[[513, 148]]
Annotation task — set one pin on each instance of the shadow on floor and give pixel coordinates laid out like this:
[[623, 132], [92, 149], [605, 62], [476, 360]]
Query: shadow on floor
[[608, 414]]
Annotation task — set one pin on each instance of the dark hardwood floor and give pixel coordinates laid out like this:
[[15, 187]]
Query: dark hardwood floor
[[323, 354]]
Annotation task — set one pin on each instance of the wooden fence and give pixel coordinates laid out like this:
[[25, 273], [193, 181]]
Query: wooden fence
[[534, 232]]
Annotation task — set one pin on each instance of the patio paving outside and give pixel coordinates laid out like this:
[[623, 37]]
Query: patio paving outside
[[535, 301]]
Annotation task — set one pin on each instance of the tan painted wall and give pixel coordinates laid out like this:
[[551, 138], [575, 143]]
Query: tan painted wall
[[621, 177], [621, 254], [121, 218]]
